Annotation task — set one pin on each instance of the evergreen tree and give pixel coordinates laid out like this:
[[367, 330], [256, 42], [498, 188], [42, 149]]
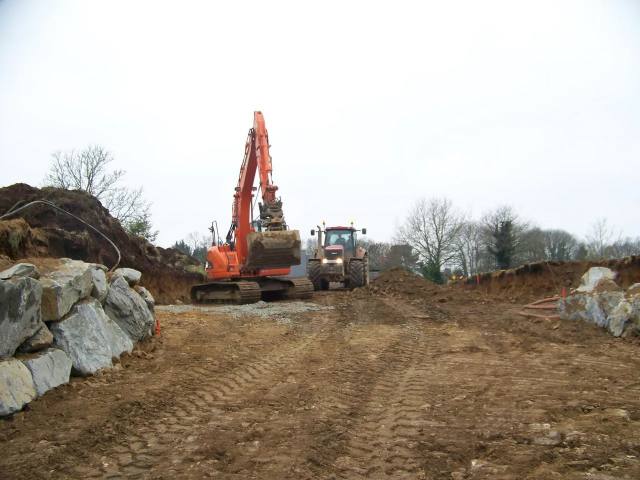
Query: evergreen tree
[[503, 244]]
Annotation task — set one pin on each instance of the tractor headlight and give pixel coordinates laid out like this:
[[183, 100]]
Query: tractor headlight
[[339, 260], [324, 260]]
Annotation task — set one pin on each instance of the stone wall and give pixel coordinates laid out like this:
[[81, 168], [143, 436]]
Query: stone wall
[[65, 318]]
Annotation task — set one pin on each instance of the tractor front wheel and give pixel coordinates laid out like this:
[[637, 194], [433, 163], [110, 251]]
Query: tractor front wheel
[[357, 274], [314, 272]]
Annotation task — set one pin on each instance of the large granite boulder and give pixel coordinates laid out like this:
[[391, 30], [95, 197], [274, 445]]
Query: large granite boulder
[[634, 317], [89, 337], [16, 386], [71, 281], [591, 278], [100, 286], [601, 301], [129, 274], [20, 270], [593, 308], [20, 300], [128, 309], [49, 369], [619, 318]]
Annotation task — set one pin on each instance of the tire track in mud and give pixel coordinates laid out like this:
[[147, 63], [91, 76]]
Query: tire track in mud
[[200, 394], [383, 444], [375, 410], [386, 439]]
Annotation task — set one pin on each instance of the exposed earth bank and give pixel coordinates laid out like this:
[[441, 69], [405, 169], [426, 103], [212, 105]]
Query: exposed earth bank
[[41, 231]]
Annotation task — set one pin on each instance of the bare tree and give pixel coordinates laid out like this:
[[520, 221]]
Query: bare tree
[[198, 244], [469, 248], [88, 170], [85, 170], [432, 229], [377, 252], [624, 248], [599, 239], [532, 246], [560, 245]]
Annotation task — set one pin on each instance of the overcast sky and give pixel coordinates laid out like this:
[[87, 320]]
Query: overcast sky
[[369, 105]]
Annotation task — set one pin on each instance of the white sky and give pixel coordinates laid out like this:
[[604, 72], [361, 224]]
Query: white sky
[[369, 105]]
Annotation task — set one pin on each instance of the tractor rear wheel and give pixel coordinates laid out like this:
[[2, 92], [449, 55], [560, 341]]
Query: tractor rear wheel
[[314, 272], [357, 274]]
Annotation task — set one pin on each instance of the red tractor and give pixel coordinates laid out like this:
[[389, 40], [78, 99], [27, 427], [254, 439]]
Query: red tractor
[[338, 258]]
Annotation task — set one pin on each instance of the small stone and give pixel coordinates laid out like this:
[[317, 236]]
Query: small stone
[[20, 270], [100, 285], [42, 339], [146, 296], [129, 274], [634, 289]]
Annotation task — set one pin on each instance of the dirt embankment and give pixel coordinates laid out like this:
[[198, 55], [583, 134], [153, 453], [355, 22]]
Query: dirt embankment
[[40, 231], [541, 279], [522, 284]]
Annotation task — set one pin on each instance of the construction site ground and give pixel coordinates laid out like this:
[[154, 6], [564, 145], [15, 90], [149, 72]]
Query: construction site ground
[[441, 385]]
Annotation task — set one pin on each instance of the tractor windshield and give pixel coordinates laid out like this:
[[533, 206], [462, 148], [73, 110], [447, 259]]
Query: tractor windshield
[[346, 238]]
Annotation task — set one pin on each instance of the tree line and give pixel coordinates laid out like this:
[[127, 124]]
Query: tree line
[[444, 239]]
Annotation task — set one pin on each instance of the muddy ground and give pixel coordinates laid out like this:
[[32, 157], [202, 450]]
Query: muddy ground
[[442, 386]]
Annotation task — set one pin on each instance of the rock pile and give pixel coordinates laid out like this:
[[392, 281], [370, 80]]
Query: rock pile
[[71, 318], [600, 300]]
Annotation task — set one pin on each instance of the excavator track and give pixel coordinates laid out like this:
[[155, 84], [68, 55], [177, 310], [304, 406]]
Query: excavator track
[[300, 288], [235, 292], [250, 291]]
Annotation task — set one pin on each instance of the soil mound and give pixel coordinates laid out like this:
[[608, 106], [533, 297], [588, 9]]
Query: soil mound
[[398, 281], [41, 231], [543, 279]]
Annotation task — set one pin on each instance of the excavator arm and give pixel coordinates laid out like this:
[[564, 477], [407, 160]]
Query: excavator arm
[[260, 249]]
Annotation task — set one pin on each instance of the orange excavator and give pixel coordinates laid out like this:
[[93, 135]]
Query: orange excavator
[[256, 255]]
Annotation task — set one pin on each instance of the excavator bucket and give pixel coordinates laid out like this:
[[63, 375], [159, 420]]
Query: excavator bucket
[[276, 249]]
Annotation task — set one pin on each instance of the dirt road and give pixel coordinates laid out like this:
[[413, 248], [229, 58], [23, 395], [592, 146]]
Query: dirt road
[[373, 387]]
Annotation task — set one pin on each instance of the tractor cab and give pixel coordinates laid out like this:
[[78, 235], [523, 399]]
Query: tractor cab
[[340, 237]]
